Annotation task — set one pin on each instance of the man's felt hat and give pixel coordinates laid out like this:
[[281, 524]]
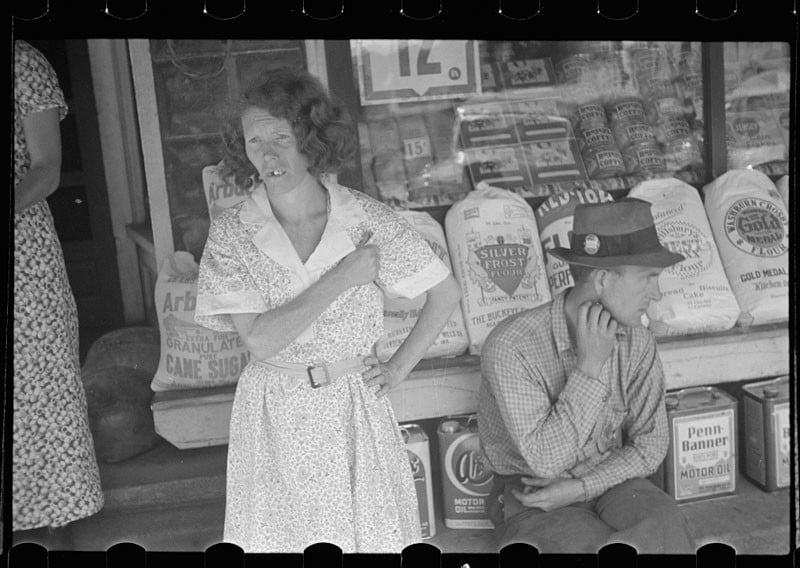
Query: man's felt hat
[[615, 233]]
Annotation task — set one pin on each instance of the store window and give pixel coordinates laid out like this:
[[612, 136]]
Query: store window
[[193, 80], [436, 118], [757, 105]]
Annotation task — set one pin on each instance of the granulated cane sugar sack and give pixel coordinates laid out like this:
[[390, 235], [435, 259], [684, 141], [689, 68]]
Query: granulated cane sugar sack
[[696, 295], [192, 356], [783, 188], [401, 314], [554, 219], [751, 227], [497, 259]]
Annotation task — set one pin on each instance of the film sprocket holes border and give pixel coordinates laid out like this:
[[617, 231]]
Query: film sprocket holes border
[[694, 23]]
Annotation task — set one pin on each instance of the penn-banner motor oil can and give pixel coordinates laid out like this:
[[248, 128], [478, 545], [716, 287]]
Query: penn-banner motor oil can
[[701, 459], [419, 457], [767, 438], [466, 480]]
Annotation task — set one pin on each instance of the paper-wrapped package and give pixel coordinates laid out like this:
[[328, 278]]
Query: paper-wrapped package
[[401, 314], [751, 228], [696, 295], [497, 259]]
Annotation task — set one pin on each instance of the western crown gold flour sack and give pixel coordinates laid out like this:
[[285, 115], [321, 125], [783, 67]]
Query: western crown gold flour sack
[[696, 295], [554, 219], [497, 259], [783, 188], [400, 314], [192, 356], [751, 227]]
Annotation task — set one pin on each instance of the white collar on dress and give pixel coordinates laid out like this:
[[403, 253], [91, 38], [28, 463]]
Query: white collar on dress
[[335, 243]]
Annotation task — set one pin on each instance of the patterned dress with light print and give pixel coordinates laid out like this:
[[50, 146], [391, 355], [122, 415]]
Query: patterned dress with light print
[[312, 465]]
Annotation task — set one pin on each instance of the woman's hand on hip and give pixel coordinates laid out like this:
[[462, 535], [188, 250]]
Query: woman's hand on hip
[[385, 375]]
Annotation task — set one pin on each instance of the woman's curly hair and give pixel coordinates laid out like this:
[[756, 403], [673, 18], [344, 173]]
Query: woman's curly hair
[[324, 132]]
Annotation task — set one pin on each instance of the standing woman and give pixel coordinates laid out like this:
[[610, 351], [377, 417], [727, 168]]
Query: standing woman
[[55, 476], [299, 270]]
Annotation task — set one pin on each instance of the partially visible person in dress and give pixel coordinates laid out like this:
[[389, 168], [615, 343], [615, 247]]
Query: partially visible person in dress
[[300, 270], [55, 475]]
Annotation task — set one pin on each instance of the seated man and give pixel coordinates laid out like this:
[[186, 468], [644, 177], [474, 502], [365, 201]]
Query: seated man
[[571, 409]]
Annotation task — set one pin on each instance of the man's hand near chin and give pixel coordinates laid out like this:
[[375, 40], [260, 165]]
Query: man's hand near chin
[[549, 494]]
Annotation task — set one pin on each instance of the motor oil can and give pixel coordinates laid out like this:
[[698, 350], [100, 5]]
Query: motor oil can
[[419, 457], [701, 459], [767, 438], [466, 480]]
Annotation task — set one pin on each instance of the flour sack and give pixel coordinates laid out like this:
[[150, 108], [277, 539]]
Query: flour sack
[[751, 227], [401, 314], [696, 295], [497, 259]]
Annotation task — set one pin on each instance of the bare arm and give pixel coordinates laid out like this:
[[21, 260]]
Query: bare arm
[[441, 301], [43, 138], [267, 333]]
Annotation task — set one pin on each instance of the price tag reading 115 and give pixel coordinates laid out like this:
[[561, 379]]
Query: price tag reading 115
[[415, 70]]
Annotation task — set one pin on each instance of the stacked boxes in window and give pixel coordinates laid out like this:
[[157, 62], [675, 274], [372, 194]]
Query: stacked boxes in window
[[466, 480], [387, 162], [634, 136], [600, 153], [419, 457], [417, 155], [446, 172], [701, 459], [666, 108]]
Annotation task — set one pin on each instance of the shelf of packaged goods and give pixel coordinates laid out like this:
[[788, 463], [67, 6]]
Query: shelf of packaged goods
[[449, 386]]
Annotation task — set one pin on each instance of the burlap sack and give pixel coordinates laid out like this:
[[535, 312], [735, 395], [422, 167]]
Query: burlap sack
[[696, 295], [751, 227], [497, 259]]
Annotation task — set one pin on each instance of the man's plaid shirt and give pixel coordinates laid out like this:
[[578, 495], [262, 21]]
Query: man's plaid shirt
[[539, 415]]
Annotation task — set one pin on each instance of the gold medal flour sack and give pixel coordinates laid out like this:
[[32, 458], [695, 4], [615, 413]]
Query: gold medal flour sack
[[696, 295], [554, 220], [751, 227], [497, 259], [401, 314], [783, 188]]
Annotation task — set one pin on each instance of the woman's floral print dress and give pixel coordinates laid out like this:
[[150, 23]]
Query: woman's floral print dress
[[314, 465], [55, 476]]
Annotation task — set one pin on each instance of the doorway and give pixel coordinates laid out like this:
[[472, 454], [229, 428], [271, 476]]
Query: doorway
[[80, 205]]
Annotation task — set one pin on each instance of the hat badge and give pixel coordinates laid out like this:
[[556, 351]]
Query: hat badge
[[591, 244]]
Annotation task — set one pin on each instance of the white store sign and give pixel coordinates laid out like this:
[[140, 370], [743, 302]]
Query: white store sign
[[407, 70]]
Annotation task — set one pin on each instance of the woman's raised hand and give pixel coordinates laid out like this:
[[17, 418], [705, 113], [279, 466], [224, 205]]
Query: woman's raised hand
[[360, 266]]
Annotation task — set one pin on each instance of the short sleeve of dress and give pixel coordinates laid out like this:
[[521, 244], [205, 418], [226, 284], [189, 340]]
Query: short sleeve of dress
[[409, 266], [224, 284], [36, 87]]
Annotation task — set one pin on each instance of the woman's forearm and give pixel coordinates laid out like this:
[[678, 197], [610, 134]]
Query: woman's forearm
[[268, 333], [39, 182], [441, 301]]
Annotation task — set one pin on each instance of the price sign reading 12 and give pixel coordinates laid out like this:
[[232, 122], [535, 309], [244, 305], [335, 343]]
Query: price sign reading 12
[[415, 70]]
